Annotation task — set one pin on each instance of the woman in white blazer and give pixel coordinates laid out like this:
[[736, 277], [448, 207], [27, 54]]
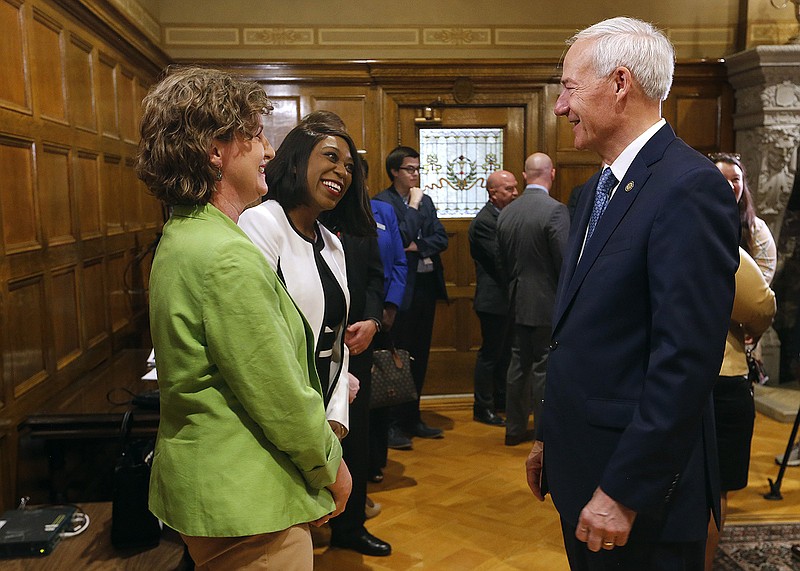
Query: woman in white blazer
[[315, 174]]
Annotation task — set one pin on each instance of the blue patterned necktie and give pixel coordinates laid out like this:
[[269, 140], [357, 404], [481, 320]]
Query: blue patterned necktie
[[601, 197]]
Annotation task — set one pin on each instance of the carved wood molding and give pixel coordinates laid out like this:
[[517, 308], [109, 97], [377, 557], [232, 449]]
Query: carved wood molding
[[424, 74], [114, 26]]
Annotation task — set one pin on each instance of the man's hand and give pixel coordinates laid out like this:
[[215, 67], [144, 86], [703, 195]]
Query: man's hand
[[604, 522], [340, 490], [359, 335], [533, 469], [412, 247], [389, 313], [414, 197]]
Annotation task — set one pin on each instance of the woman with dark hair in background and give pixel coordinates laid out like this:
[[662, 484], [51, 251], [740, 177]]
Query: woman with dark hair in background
[[243, 454], [756, 238]]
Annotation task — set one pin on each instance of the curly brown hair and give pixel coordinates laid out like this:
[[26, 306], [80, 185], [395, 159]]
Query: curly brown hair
[[182, 115]]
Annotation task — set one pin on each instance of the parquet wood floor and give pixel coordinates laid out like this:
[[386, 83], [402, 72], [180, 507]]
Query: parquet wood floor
[[462, 504], [456, 504]]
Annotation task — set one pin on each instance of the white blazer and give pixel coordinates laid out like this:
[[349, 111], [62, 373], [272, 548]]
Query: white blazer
[[270, 230]]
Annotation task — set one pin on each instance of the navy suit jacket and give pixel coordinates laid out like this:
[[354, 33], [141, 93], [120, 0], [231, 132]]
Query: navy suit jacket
[[638, 337]]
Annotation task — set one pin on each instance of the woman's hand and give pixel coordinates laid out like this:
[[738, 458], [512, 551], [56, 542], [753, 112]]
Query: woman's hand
[[353, 384], [340, 490]]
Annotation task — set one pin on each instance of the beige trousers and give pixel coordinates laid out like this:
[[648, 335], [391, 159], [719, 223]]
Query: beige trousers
[[287, 550]]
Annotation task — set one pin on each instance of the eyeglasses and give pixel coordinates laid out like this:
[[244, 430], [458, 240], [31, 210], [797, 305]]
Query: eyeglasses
[[410, 169], [724, 157]]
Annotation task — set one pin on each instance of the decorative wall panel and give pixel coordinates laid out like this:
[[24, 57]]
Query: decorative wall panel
[[131, 195], [20, 228], [113, 199], [128, 115], [25, 341], [65, 317], [14, 91], [93, 309], [80, 82], [107, 96], [49, 86], [285, 115], [54, 194], [351, 109], [87, 191], [118, 297]]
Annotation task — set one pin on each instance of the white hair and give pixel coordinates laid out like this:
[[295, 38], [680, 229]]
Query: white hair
[[637, 45]]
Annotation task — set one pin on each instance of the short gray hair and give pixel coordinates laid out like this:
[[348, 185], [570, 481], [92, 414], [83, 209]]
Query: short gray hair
[[634, 44]]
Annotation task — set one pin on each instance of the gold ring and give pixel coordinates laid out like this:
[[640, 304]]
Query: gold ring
[[608, 544]]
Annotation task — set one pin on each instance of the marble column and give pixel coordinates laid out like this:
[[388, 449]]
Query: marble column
[[767, 124]]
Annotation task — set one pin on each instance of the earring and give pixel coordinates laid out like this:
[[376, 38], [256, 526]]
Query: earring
[[219, 173]]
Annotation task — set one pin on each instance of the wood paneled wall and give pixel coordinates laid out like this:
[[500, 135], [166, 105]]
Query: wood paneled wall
[[73, 215]]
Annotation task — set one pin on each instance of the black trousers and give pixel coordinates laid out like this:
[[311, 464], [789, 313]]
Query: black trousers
[[491, 365], [636, 555], [355, 449], [413, 330]]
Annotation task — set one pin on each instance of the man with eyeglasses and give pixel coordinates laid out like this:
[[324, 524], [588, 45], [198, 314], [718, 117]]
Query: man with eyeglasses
[[424, 238]]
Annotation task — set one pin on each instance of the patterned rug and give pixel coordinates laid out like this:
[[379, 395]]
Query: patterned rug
[[758, 547]]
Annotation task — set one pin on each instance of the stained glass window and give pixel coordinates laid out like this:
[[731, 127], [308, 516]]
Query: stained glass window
[[454, 165]]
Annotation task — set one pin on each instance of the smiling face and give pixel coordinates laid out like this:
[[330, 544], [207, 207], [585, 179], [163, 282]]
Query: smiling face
[[586, 100], [734, 176], [243, 162], [330, 172]]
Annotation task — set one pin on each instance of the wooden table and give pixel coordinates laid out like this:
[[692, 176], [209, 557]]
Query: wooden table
[[94, 405], [92, 550], [87, 414]]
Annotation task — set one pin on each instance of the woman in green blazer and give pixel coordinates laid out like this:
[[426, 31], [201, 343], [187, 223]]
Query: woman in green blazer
[[245, 458]]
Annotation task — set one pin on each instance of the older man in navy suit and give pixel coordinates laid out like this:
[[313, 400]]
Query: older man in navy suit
[[626, 445]]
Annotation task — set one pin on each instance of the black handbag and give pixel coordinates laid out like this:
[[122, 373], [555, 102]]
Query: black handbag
[[756, 373], [132, 524], [392, 383]]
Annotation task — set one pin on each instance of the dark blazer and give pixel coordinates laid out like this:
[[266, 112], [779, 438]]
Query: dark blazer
[[490, 295], [638, 337], [422, 226], [364, 277], [532, 236]]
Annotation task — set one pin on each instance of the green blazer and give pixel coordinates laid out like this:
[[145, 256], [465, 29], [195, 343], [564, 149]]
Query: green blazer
[[243, 446]]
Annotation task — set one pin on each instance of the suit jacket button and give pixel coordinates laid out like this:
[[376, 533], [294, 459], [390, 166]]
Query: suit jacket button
[[553, 345]]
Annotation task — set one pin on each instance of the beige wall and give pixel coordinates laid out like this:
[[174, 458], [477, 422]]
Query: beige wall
[[419, 29]]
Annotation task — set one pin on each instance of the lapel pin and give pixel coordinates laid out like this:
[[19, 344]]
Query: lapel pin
[[629, 187]]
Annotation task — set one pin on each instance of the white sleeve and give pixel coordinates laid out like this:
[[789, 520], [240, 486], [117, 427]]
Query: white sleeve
[[262, 229], [339, 405]]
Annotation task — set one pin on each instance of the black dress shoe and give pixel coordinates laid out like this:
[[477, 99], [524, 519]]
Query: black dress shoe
[[514, 439], [424, 431], [397, 440], [486, 416], [363, 542]]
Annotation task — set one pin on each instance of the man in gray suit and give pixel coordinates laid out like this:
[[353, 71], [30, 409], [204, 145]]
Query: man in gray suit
[[491, 299], [532, 236]]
